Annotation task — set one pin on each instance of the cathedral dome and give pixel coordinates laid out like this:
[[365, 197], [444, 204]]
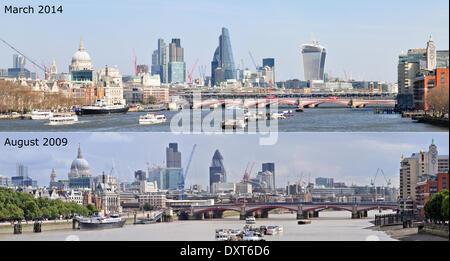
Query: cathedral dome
[[79, 167], [81, 60]]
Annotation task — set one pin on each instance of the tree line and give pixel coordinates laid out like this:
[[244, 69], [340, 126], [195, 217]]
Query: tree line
[[16, 206], [18, 98], [436, 209]]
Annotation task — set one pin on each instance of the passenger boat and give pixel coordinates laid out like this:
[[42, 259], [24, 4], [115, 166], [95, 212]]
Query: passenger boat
[[41, 115], [271, 230], [288, 113], [98, 221], [277, 116], [252, 236], [233, 124], [250, 220], [151, 118], [63, 119]]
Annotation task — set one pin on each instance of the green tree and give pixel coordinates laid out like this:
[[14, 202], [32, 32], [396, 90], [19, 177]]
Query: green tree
[[15, 213], [92, 209], [445, 210], [433, 207], [147, 207], [31, 210]]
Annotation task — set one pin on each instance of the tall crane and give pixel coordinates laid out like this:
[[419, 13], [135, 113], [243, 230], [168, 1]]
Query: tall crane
[[26, 57], [253, 60], [186, 171], [135, 63], [244, 179], [192, 70]]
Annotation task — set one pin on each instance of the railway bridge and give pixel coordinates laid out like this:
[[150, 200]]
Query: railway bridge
[[304, 210]]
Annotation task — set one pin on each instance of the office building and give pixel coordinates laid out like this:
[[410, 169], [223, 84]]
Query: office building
[[140, 175], [415, 74], [18, 61], [428, 186], [414, 169], [173, 156], [177, 72], [217, 173], [313, 61], [5, 181], [270, 167], [326, 182], [223, 61], [270, 62], [172, 178]]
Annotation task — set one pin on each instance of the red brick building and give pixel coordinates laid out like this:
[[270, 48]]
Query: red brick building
[[429, 186], [423, 85]]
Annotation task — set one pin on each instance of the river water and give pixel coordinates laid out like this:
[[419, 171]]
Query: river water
[[330, 226], [312, 120]]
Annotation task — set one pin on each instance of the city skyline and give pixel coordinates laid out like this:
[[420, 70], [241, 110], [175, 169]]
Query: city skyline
[[291, 159], [351, 37]]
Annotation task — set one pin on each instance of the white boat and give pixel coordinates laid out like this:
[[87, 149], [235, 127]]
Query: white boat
[[233, 124], [288, 113], [271, 230], [252, 236], [250, 220], [41, 115], [277, 116], [151, 118], [63, 119], [279, 229]]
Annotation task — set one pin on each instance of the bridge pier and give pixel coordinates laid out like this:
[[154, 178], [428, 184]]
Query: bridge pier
[[217, 214], [242, 215], [300, 212], [355, 213]]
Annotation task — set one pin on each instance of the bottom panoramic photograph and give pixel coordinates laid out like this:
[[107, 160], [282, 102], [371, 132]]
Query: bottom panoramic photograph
[[219, 187]]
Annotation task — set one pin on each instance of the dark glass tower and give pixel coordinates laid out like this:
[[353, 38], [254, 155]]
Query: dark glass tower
[[223, 59], [173, 156], [217, 173], [270, 167]]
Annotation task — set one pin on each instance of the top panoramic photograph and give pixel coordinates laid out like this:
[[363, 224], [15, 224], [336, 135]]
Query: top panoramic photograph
[[224, 66]]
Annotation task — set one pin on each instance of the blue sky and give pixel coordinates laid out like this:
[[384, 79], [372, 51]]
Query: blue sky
[[363, 38], [348, 157]]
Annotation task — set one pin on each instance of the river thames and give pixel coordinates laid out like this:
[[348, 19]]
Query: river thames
[[312, 120], [330, 226]]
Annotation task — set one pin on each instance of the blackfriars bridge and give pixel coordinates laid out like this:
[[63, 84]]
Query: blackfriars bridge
[[304, 210]]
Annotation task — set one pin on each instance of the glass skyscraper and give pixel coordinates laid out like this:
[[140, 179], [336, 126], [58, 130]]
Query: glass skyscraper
[[313, 61], [223, 62], [217, 173]]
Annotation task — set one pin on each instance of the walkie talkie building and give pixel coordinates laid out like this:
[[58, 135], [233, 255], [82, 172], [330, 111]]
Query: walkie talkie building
[[313, 61]]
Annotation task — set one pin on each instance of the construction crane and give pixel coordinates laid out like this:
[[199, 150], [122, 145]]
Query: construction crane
[[135, 63], [253, 60], [247, 174], [26, 57], [388, 181], [192, 70], [186, 171], [244, 179]]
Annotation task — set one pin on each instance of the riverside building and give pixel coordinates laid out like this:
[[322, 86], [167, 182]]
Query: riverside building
[[414, 168]]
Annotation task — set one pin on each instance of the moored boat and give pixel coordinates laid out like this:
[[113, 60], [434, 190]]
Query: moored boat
[[41, 115], [101, 222]]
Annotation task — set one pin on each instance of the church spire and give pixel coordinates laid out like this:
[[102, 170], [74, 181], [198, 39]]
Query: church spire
[[81, 48], [80, 156]]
